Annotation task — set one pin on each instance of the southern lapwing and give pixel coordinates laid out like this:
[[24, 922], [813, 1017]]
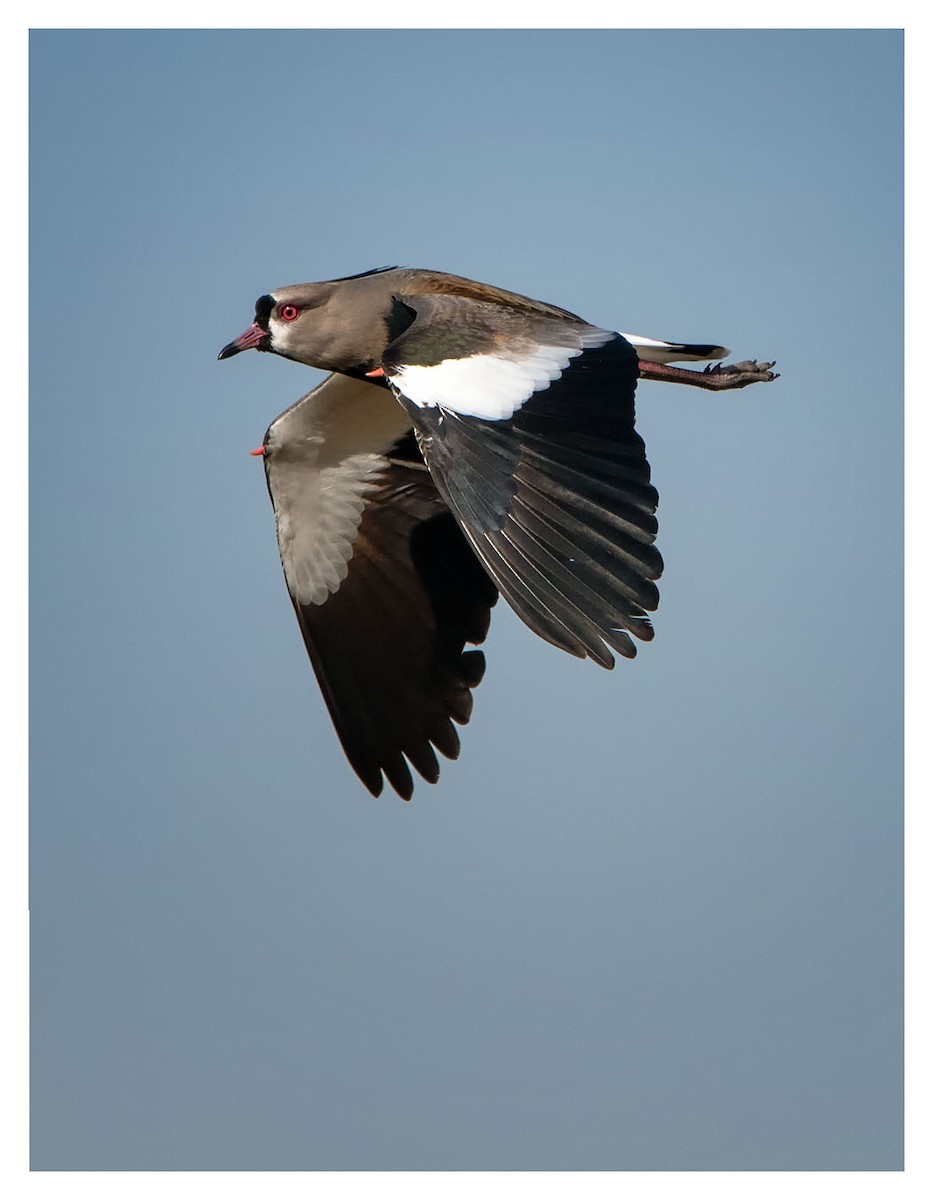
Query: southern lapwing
[[469, 441]]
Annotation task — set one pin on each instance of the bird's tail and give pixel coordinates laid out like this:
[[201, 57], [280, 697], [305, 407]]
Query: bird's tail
[[652, 350]]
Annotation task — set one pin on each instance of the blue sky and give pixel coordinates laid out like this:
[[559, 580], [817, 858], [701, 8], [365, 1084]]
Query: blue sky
[[651, 920]]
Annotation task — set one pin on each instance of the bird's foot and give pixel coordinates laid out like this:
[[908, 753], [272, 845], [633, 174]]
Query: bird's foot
[[713, 378], [736, 375]]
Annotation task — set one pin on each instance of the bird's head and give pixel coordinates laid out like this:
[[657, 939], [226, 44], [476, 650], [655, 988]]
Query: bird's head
[[340, 325]]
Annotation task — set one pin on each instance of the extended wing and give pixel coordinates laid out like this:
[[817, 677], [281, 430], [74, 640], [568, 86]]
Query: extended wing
[[385, 587], [527, 424]]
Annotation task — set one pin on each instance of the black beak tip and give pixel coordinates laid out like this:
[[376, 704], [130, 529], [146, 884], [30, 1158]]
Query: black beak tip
[[228, 351]]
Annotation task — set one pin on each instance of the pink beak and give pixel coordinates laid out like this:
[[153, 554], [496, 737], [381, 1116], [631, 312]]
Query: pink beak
[[250, 339]]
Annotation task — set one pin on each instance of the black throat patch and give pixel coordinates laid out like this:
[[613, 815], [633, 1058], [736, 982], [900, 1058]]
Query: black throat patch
[[398, 318]]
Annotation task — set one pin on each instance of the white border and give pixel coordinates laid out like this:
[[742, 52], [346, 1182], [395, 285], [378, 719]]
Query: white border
[[917, 1180]]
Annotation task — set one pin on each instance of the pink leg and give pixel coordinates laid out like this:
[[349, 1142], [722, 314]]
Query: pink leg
[[714, 378]]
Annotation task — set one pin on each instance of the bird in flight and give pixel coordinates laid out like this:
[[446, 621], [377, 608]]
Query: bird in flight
[[468, 442]]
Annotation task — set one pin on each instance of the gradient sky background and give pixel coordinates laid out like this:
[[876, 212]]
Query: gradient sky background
[[651, 920]]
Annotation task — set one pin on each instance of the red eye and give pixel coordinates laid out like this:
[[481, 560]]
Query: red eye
[[288, 312]]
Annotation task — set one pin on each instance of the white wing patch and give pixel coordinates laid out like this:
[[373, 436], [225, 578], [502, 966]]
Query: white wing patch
[[484, 385]]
